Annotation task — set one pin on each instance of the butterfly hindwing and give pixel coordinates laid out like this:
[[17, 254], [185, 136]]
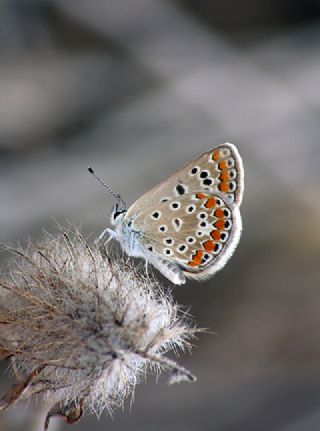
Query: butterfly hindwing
[[197, 232]]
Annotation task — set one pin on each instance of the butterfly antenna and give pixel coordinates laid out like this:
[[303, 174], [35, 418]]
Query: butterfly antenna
[[117, 197]]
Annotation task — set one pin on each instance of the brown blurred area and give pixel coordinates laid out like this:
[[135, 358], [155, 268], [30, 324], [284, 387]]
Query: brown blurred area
[[136, 89]]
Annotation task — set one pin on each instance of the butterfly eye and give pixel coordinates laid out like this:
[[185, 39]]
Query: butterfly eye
[[117, 211], [117, 214]]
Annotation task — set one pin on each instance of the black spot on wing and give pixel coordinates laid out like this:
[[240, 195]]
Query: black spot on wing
[[180, 189]]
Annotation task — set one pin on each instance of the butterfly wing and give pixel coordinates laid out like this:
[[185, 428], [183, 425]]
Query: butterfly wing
[[219, 170], [190, 224]]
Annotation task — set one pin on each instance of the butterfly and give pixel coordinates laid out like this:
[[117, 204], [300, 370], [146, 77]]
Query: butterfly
[[189, 225]]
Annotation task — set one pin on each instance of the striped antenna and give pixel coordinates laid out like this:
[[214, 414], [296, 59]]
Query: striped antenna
[[117, 197]]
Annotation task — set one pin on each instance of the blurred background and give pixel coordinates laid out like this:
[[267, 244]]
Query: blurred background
[[136, 89]]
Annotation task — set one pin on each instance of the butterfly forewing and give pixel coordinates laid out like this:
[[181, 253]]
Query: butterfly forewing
[[216, 171]]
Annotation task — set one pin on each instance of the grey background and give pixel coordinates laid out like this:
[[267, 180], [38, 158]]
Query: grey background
[[136, 89]]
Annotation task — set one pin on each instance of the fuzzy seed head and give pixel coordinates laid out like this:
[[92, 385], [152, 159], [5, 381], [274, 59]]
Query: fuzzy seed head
[[81, 329]]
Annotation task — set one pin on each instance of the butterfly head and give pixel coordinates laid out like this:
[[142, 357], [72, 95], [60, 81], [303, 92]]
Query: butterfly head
[[118, 212]]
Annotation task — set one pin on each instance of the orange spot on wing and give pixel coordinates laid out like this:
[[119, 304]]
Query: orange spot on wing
[[220, 224], [216, 235], [216, 155], [224, 176], [211, 203], [224, 187], [219, 213], [196, 259], [200, 196], [209, 245], [223, 165]]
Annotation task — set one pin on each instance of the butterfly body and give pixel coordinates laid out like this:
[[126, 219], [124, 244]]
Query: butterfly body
[[190, 224]]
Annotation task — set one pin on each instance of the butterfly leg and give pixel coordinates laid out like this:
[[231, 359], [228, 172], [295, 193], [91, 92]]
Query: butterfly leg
[[103, 234], [147, 271]]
